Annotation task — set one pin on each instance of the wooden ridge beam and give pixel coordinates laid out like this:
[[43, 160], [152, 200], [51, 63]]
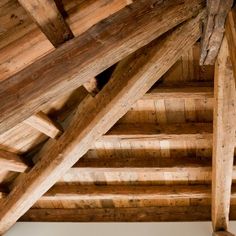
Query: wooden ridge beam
[[87, 55], [223, 139], [44, 124], [214, 30], [11, 162], [148, 131], [95, 116], [141, 214], [46, 15], [230, 32]]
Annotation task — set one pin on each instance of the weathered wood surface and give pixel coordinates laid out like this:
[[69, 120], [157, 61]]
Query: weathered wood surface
[[214, 30], [44, 124], [223, 138], [95, 116], [84, 57], [46, 15], [230, 28], [11, 162]]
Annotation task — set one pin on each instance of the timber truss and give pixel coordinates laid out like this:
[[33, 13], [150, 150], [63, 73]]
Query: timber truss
[[117, 111]]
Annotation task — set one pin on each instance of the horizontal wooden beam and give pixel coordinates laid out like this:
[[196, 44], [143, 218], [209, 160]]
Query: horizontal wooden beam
[[46, 15], [11, 162], [184, 92], [95, 116], [44, 124], [145, 214], [214, 30], [142, 214], [78, 192], [222, 233], [106, 43], [148, 131]]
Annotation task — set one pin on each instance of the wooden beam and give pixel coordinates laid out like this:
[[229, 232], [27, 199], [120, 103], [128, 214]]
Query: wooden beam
[[84, 57], [44, 124], [140, 214], [143, 214], [46, 15], [222, 233], [11, 162], [231, 37], [95, 116], [183, 92], [223, 139], [214, 30], [77, 192], [148, 131]]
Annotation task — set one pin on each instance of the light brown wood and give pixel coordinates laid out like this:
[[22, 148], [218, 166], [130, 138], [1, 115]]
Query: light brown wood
[[46, 15], [77, 192], [44, 124], [91, 86], [145, 131], [11, 162], [214, 30], [95, 116], [107, 43], [230, 28], [223, 139], [180, 93]]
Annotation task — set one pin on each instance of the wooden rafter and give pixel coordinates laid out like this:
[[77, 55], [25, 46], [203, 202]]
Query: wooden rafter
[[49, 19], [214, 30], [106, 43], [44, 124], [231, 37], [11, 162], [223, 139], [95, 116]]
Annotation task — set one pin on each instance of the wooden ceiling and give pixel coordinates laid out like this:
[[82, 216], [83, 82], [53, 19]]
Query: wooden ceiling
[[117, 111]]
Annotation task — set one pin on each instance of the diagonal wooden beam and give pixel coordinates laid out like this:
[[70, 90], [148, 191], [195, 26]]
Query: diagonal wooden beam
[[46, 15], [230, 32], [11, 162], [84, 57], [223, 139], [95, 116], [44, 124], [214, 30]]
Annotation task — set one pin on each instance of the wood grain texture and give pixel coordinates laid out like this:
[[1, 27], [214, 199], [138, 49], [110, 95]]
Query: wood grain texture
[[223, 138], [145, 214], [44, 124], [230, 33], [46, 15], [86, 56], [214, 30], [95, 116], [11, 162]]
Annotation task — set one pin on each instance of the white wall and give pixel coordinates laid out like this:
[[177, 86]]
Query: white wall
[[114, 229]]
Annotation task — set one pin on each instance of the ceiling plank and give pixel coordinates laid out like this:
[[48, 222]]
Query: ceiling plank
[[230, 28], [214, 30], [46, 15], [11, 162], [82, 58], [223, 138], [44, 124], [95, 116]]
